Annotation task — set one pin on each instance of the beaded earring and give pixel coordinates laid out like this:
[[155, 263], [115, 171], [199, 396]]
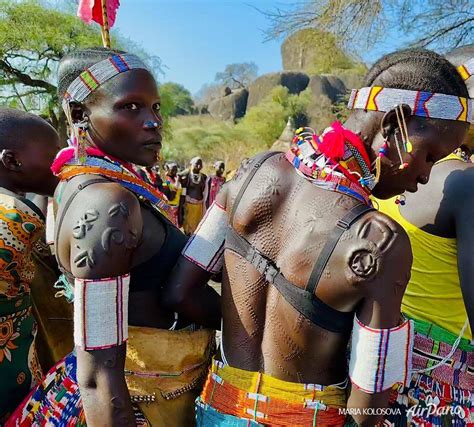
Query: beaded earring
[[400, 200], [80, 138], [402, 126]]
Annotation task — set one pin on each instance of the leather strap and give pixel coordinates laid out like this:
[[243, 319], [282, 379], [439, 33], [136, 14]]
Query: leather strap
[[342, 225], [307, 304], [248, 178]]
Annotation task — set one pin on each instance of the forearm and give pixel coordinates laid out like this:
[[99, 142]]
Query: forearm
[[104, 392]]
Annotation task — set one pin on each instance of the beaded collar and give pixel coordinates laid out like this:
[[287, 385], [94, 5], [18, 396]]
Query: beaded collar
[[98, 163], [336, 161]]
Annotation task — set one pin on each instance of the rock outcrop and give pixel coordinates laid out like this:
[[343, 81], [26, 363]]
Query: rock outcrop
[[295, 81], [231, 107]]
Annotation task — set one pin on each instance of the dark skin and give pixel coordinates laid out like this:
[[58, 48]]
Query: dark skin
[[25, 167], [196, 191], [288, 219], [172, 172], [219, 171], [117, 126], [445, 208]]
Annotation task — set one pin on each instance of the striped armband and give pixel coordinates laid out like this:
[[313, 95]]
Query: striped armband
[[380, 358], [205, 248], [101, 312]]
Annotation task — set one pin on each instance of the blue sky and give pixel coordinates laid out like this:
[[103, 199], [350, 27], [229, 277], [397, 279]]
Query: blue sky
[[197, 38]]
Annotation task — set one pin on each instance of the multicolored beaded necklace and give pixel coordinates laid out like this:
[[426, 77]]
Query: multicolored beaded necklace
[[335, 161], [98, 163]]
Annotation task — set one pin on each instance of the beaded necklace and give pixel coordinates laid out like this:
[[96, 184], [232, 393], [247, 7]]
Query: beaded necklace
[[333, 162], [118, 172]]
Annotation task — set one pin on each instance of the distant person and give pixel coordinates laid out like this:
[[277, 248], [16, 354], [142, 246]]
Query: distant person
[[214, 183], [172, 189], [438, 219], [28, 145], [193, 182]]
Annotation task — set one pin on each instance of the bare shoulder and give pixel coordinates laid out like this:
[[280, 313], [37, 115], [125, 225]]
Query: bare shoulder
[[105, 226], [459, 183], [383, 253]]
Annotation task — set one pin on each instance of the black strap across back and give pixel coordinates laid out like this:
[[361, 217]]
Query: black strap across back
[[303, 300]]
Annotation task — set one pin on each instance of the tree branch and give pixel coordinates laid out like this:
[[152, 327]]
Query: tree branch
[[25, 79]]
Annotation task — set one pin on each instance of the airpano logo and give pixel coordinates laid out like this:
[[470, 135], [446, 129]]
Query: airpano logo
[[432, 408]]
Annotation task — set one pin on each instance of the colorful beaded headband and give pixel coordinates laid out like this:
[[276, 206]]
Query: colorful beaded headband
[[89, 80], [467, 70], [423, 104]]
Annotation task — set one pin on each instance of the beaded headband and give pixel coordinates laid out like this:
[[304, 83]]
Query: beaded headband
[[423, 104], [467, 70], [96, 75]]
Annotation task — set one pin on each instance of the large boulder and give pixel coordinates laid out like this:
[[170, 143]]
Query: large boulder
[[295, 81], [230, 107], [328, 86]]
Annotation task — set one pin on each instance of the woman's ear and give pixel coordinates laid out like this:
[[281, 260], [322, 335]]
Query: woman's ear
[[9, 160], [78, 112], [390, 123]]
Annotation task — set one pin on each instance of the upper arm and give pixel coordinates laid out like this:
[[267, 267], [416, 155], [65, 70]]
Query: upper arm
[[106, 228], [392, 255], [459, 198]]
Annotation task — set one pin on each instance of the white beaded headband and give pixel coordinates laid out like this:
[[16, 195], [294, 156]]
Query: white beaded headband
[[467, 70], [423, 104], [90, 79]]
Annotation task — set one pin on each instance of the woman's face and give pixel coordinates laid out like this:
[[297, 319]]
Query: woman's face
[[124, 118], [432, 141]]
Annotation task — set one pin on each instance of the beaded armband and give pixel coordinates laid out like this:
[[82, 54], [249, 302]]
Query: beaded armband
[[206, 246], [380, 358], [101, 312]]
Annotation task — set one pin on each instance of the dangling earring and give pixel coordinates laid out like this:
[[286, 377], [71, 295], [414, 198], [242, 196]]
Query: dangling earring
[[402, 125], [403, 165], [80, 138]]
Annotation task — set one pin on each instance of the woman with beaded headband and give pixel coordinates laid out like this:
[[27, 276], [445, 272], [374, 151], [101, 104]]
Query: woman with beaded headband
[[440, 296], [214, 183], [307, 261], [116, 246]]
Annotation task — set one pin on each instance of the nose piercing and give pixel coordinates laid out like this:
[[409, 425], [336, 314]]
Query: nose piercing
[[150, 125]]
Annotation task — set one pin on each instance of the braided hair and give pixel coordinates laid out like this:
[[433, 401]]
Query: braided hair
[[417, 69]]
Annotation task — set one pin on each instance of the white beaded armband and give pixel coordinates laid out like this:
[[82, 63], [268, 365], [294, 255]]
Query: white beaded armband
[[206, 246], [101, 312], [380, 358]]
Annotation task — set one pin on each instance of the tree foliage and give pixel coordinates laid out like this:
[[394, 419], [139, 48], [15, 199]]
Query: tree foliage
[[443, 24], [317, 52], [267, 119], [237, 76], [177, 99], [33, 38]]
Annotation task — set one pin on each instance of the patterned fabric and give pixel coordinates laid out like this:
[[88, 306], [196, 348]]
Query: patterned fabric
[[423, 104], [443, 396], [96, 75], [380, 358], [206, 246], [101, 312], [467, 70], [21, 225], [19, 366], [163, 384], [238, 395], [20, 228]]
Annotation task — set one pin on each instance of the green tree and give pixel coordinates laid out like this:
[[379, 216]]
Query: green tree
[[33, 38], [316, 52], [237, 76], [177, 99], [267, 120]]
